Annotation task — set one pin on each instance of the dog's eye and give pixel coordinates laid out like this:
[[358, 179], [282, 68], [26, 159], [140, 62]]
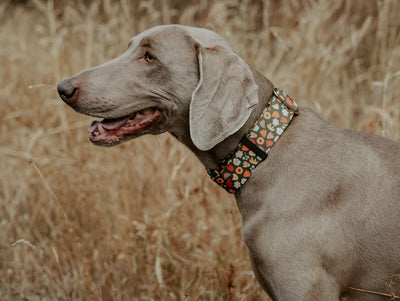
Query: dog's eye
[[149, 58]]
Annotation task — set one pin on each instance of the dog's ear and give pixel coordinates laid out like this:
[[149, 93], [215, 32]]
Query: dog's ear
[[223, 99]]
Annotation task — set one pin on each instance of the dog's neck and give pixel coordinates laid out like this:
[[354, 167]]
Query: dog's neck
[[211, 157]]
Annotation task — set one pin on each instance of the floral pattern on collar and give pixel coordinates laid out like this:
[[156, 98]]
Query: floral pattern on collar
[[234, 171]]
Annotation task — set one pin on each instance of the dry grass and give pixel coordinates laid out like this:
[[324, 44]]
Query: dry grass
[[141, 220]]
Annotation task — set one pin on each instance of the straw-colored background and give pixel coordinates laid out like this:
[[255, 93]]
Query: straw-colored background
[[141, 221]]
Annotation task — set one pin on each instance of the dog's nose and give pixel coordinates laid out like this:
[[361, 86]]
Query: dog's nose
[[66, 90]]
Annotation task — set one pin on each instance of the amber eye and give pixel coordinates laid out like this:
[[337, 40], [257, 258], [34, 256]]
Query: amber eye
[[148, 57]]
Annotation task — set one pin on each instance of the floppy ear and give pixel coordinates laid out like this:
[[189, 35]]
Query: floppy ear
[[223, 99]]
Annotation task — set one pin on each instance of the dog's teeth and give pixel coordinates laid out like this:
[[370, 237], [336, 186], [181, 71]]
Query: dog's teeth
[[96, 133], [100, 129]]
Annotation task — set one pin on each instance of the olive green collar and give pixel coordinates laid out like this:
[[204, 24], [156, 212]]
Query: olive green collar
[[234, 171]]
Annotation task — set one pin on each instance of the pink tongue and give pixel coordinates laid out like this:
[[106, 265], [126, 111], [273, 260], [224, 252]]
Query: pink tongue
[[114, 123]]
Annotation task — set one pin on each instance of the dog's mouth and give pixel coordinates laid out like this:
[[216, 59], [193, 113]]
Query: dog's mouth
[[109, 132]]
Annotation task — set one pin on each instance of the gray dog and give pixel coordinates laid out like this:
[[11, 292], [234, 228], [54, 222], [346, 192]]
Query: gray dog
[[321, 214]]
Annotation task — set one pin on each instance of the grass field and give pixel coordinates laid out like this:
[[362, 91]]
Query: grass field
[[142, 221]]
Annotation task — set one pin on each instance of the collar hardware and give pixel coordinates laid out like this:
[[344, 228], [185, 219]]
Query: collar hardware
[[234, 171]]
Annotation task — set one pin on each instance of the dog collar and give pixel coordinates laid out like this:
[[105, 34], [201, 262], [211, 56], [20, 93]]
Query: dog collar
[[234, 171]]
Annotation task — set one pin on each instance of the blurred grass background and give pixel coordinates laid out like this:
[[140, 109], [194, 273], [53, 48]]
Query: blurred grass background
[[141, 221]]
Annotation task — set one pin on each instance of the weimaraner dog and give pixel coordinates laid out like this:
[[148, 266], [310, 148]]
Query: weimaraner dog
[[321, 214]]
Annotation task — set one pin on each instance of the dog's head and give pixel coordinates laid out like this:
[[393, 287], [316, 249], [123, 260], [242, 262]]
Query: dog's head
[[170, 77]]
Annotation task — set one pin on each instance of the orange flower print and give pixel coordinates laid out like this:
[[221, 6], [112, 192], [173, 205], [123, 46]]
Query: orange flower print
[[275, 114], [289, 101], [267, 115], [246, 174], [220, 180], [239, 170], [260, 140]]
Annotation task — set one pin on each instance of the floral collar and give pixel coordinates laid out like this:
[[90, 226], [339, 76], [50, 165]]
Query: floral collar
[[234, 171]]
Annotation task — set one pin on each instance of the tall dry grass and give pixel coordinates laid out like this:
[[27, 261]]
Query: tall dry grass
[[141, 221]]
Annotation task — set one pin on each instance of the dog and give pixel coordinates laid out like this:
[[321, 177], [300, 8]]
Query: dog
[[320, 209]]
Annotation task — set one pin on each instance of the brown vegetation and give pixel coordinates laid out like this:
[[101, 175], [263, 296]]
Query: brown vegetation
[[141, 220]]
